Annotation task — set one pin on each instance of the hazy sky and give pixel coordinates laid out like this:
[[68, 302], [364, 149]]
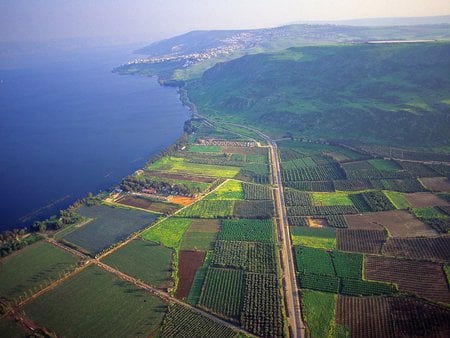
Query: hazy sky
[[155, 19]]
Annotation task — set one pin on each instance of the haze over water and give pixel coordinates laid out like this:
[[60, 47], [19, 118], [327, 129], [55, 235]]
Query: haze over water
[[69, 126]]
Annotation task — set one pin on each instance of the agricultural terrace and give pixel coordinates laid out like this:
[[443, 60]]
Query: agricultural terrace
[[33, 268], [209, 209], [181, 322], [251, 230], [109, 226], [180, 165], [144, 260], [322, 238], [107, 308], [230, 190], [331, 198], [169, 232], [319, 311]]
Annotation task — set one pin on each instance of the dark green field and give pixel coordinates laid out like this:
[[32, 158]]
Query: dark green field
[[147, 261], [95, 304], [32, 269], [110, 225]]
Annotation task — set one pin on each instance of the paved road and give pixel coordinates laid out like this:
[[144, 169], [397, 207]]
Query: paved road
[[291, 295]]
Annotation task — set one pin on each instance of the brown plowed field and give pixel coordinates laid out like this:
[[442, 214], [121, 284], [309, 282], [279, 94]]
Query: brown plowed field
[[204, 225], [183, 177], [436, 183], [364, 241], [392, 317], [437, 248], [189, 262], [181, 200], [424, 199], [424, 279], [400, 223]]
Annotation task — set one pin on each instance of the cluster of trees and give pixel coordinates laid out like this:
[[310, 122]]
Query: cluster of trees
[[139, 183], [16, 239]]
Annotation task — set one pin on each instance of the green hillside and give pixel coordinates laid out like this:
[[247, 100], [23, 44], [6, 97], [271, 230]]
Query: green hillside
[[397, 94]]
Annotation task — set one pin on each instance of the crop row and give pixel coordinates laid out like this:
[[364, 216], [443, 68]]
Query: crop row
[[319, 186], [371, 201], [251, 230], [352, 184], [182, 322], [405, 185], [321, 210], [256, 192], [252, 257], [295, 198], [298, 163], [319, 173], [261, 310], [222, 291]]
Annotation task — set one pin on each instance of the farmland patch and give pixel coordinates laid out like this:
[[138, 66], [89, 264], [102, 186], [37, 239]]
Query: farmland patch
[[441, 184], [360, 240], [189, 263], [424, 199]]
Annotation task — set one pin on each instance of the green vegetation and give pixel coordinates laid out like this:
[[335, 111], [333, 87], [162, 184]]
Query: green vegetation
[[256, 192], [251, 230], [93, 303], [32, 269], [248, 256], [319, 309], [196, 148], [321, 238], [143, 260], [181, 165], [198, 240], [222, 292], [253, 209], [397, 199], [428, 212], [384, 165], [180, 322], [209, 209], [168, 232], [230, 190], [109, 226], [197, 284], [360, 85], [331, 198]]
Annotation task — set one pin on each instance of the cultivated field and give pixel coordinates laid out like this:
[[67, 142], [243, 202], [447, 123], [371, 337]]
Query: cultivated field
[[359, 240], [168, 232], [432, 248], [180, 177], [209, 209], [188, 264], [399, 223], [319, 311], [432, 283], [110, 225], [148, 204], [373, 317], [323, 238], [144, 260], [201, 235], [93, 303], [32, 269], [424, 199], [436, 183], [251, 230]]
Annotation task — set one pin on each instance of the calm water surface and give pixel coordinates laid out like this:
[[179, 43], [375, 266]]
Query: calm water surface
[[69, 126]]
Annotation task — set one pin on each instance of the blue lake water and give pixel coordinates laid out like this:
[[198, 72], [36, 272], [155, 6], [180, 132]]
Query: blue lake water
[[69, 126]]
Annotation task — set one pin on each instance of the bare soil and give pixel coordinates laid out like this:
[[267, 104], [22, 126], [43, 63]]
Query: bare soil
[[359, 240], [436, 183], [189, 262], [400, 223], [424, 199], [204, 225]]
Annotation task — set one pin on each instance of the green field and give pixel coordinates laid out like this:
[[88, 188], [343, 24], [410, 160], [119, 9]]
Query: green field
[[319, 309], [32, 269], [428, 212], [397, 199], [322, 238], [384, 165], [144, 260], [11, 329], [251, 230], [109, 226], [93, 303], [196, 240], [331, 198], [168, 232], [209, 209], [181, 165], [199, 278], [230, 190], [196, 148]]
